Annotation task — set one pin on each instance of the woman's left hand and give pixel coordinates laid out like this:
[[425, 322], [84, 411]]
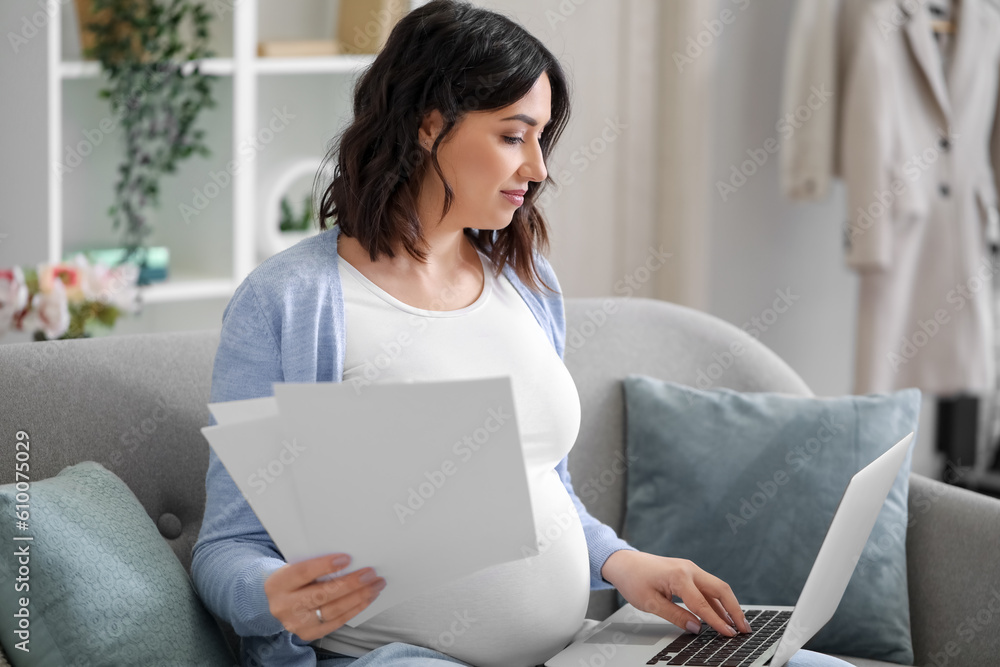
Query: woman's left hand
[[649, 582]]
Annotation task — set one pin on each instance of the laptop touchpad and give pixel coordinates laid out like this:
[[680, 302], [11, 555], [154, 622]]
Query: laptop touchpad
[[629, 633]]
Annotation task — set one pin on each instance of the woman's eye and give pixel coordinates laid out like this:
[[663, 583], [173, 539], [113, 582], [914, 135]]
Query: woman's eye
[[513, 140]]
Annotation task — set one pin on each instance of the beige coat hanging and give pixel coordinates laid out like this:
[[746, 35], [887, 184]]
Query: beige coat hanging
[[920, 155]]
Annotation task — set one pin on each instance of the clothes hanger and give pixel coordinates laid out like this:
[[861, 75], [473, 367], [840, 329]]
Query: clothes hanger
[[938, 24], [943, 26]]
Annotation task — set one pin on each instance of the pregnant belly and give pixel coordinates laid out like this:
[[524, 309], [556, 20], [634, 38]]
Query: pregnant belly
[[517, 613]]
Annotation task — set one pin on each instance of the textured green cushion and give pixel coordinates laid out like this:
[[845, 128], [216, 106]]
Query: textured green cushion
[[104, 587], [746, 484]]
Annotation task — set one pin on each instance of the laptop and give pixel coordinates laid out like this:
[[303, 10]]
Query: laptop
[[630, 637]]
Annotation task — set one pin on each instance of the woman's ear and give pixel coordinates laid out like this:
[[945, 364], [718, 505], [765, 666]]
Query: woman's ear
[[430, 127]]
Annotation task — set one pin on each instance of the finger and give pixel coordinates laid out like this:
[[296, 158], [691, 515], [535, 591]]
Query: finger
[[666, 609], [721, 611], [349, 606], [697, 603], [300, 607], [296, 575], [338, 613], [316, 631], [322, 593], [737, 618], [720, 592]]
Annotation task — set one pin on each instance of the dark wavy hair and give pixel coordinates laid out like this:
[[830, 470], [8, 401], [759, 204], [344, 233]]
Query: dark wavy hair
[[456, 58]]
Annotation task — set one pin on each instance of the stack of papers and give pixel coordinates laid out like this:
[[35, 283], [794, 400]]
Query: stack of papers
[[423, 481]]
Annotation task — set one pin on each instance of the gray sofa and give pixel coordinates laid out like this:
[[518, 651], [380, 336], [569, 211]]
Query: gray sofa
[[84, 399]]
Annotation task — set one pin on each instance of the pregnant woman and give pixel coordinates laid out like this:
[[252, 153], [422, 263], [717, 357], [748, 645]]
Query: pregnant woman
[[431, 239]]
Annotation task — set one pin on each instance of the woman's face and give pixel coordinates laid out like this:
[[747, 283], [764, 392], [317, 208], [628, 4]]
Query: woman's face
[[489, 158]]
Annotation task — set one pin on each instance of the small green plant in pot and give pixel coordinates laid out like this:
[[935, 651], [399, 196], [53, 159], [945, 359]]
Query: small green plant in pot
[[290, 222]]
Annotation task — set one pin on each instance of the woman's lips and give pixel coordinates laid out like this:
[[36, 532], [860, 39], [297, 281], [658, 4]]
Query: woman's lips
[[514, 197]]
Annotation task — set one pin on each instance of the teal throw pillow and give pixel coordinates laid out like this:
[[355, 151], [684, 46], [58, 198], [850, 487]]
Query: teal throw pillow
[[96, 584], [745, 486]]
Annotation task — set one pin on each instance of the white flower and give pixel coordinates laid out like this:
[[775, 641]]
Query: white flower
[[70, 275], [112, 286], [119, 288], [13, 296], [91, 277], [50, 311]]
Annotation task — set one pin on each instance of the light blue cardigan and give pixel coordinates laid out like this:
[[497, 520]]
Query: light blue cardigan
[[285, 323]]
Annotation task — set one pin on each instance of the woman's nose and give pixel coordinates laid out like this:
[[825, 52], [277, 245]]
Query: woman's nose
[[534, 166]]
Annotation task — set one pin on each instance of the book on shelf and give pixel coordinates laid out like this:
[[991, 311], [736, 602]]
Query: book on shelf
[[298, 48], [363, 26]]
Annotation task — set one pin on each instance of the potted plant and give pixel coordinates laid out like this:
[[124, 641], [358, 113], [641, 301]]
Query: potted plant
[[288, 214], [156, 89]]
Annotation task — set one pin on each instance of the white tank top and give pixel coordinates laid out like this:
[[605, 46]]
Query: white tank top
[[514, 614]]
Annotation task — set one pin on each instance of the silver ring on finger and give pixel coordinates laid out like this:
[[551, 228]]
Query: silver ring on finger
[[319, 616]]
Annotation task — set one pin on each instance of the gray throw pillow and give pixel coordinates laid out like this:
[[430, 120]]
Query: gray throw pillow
[[96, 584], [745, 486]]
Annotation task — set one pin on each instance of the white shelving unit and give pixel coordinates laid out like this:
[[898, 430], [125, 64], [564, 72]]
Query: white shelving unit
[[211, 254], [84, 69]]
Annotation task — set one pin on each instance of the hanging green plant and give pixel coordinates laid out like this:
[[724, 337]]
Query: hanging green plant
[[156, 87]]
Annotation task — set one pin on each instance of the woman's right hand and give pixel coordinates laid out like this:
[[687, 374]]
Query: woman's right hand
[[294, 595]]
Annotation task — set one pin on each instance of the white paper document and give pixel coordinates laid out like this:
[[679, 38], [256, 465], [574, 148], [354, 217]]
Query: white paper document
[[423, 481]]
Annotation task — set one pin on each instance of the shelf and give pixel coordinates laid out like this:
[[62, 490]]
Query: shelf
[[86, 69], [245, 94], [312, 64], [182, 290]]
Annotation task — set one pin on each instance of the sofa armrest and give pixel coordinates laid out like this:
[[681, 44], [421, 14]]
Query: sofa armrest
[[952, 554]]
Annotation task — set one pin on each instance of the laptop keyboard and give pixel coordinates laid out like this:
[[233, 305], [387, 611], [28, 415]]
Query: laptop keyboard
[[715, 650]]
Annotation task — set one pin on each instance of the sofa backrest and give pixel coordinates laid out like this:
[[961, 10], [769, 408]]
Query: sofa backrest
[[133, 403], [136, 403]]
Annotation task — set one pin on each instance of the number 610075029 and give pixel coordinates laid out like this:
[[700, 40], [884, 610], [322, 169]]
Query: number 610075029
[[22, 450]]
